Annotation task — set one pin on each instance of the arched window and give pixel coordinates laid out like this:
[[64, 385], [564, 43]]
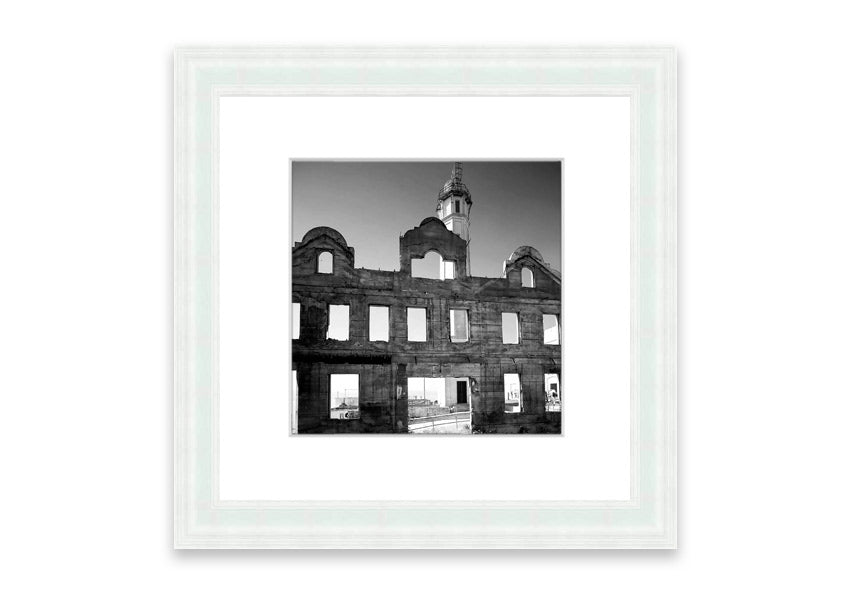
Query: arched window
[[527, 278], [430, 267], [325, 263]]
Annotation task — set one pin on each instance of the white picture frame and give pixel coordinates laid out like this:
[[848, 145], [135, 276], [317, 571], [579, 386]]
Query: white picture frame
[[647, 76]]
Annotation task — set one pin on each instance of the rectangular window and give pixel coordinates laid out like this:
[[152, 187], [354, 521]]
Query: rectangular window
[[448, 269], [510, 328], [513, 393], [338, 322], [459, 325], [416, 325], [345, 396], [457, 206], [550, 330], [553, 392], [296, 320], [379, 323]]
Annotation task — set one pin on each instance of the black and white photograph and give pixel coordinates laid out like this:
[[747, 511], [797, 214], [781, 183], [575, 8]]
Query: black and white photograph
[[354, 300], [426, 297]]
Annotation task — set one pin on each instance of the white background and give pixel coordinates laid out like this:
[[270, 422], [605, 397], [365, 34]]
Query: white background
[[259, 461], [85, 297]]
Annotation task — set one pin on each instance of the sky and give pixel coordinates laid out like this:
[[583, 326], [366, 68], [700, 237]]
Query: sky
[[372, 203]]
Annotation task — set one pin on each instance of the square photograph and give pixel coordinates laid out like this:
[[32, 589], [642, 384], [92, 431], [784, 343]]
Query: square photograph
[[452, 327]]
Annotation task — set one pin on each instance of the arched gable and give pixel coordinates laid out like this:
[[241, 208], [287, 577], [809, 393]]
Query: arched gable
[[305, 254], [432, 235]]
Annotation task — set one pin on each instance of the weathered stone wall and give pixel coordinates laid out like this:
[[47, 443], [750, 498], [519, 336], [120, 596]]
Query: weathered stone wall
[[376, 398], [384, 367]]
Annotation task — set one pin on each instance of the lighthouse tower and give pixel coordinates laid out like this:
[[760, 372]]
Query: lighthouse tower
[[454, 205]]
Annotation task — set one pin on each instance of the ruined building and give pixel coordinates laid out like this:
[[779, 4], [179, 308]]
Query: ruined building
[[392, 351]]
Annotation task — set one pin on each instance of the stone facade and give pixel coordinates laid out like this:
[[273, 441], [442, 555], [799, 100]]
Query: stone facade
[[384, 367]]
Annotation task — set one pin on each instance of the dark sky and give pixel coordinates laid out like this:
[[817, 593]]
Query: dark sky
[[372, 203]]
